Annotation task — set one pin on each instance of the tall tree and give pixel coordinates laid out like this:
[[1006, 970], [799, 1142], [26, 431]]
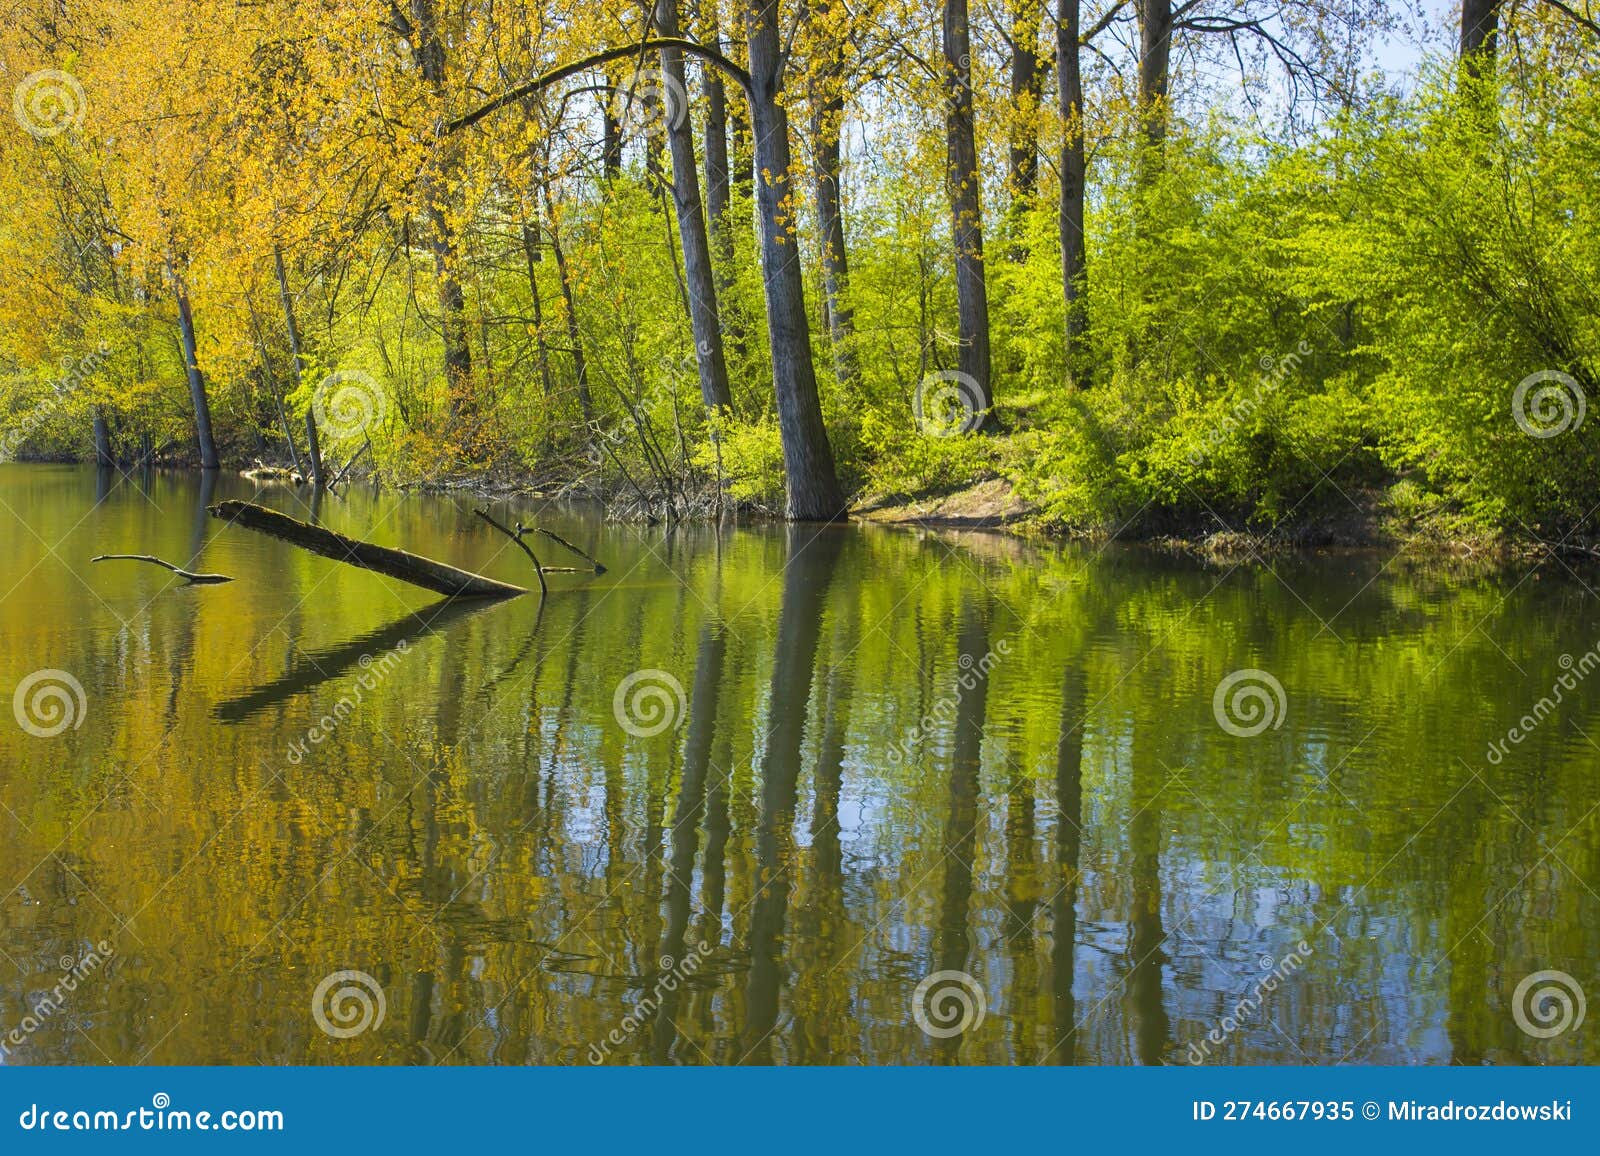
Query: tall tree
[[704, 319], [829, 30], [420, 28], [1074, 173], [197, 379], [1028, 69], [966, 220], [812, 486], [1155, 68]]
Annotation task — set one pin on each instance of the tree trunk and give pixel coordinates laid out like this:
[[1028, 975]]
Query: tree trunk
[[313, 445], [1074, 179], [197, 381], [412, 568], [962, 180], [1027, 86], [103, 455], [580, 367], [428, 50], [827, 126], [1155, 54], [813, 492], [1480, 29], [699, 280], [716, 150], [530, 249]]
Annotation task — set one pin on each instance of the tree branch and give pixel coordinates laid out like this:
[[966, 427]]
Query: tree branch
[[539, 83]]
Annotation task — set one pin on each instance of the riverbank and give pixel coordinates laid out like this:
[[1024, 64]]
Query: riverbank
[[1395, 519]]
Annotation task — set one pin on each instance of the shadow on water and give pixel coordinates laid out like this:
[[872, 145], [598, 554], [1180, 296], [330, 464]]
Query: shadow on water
[[319, 666]]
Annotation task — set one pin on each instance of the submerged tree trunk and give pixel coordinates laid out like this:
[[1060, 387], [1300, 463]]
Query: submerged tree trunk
[[962, 181], [700, 282], [813, 492], [412, 568], [197, 381], [1074, 170], [313, 445]]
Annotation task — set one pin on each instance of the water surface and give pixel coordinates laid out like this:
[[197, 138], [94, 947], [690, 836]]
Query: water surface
[[895, 754]]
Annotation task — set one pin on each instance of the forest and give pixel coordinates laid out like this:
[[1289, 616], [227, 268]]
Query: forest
[[1146, 268]]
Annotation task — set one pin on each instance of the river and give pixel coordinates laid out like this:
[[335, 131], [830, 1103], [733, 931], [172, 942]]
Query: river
[[775, 794]]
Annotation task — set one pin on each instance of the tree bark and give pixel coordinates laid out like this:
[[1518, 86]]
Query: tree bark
[[103, 455], [1074, 170], [813, 492], [428, 50], [700, 282], [1027, 87], [827, 126], [962, 181], [1155, 54], [412, 568], [580, 366], [313, 445], [1480, 29], [197, 381], [530, 249]]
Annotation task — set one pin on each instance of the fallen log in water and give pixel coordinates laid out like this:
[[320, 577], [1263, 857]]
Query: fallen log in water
[[412, 568], [192, 578]]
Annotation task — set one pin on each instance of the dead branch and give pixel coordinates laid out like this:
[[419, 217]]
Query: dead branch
[[516, 536], [188, 576]]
